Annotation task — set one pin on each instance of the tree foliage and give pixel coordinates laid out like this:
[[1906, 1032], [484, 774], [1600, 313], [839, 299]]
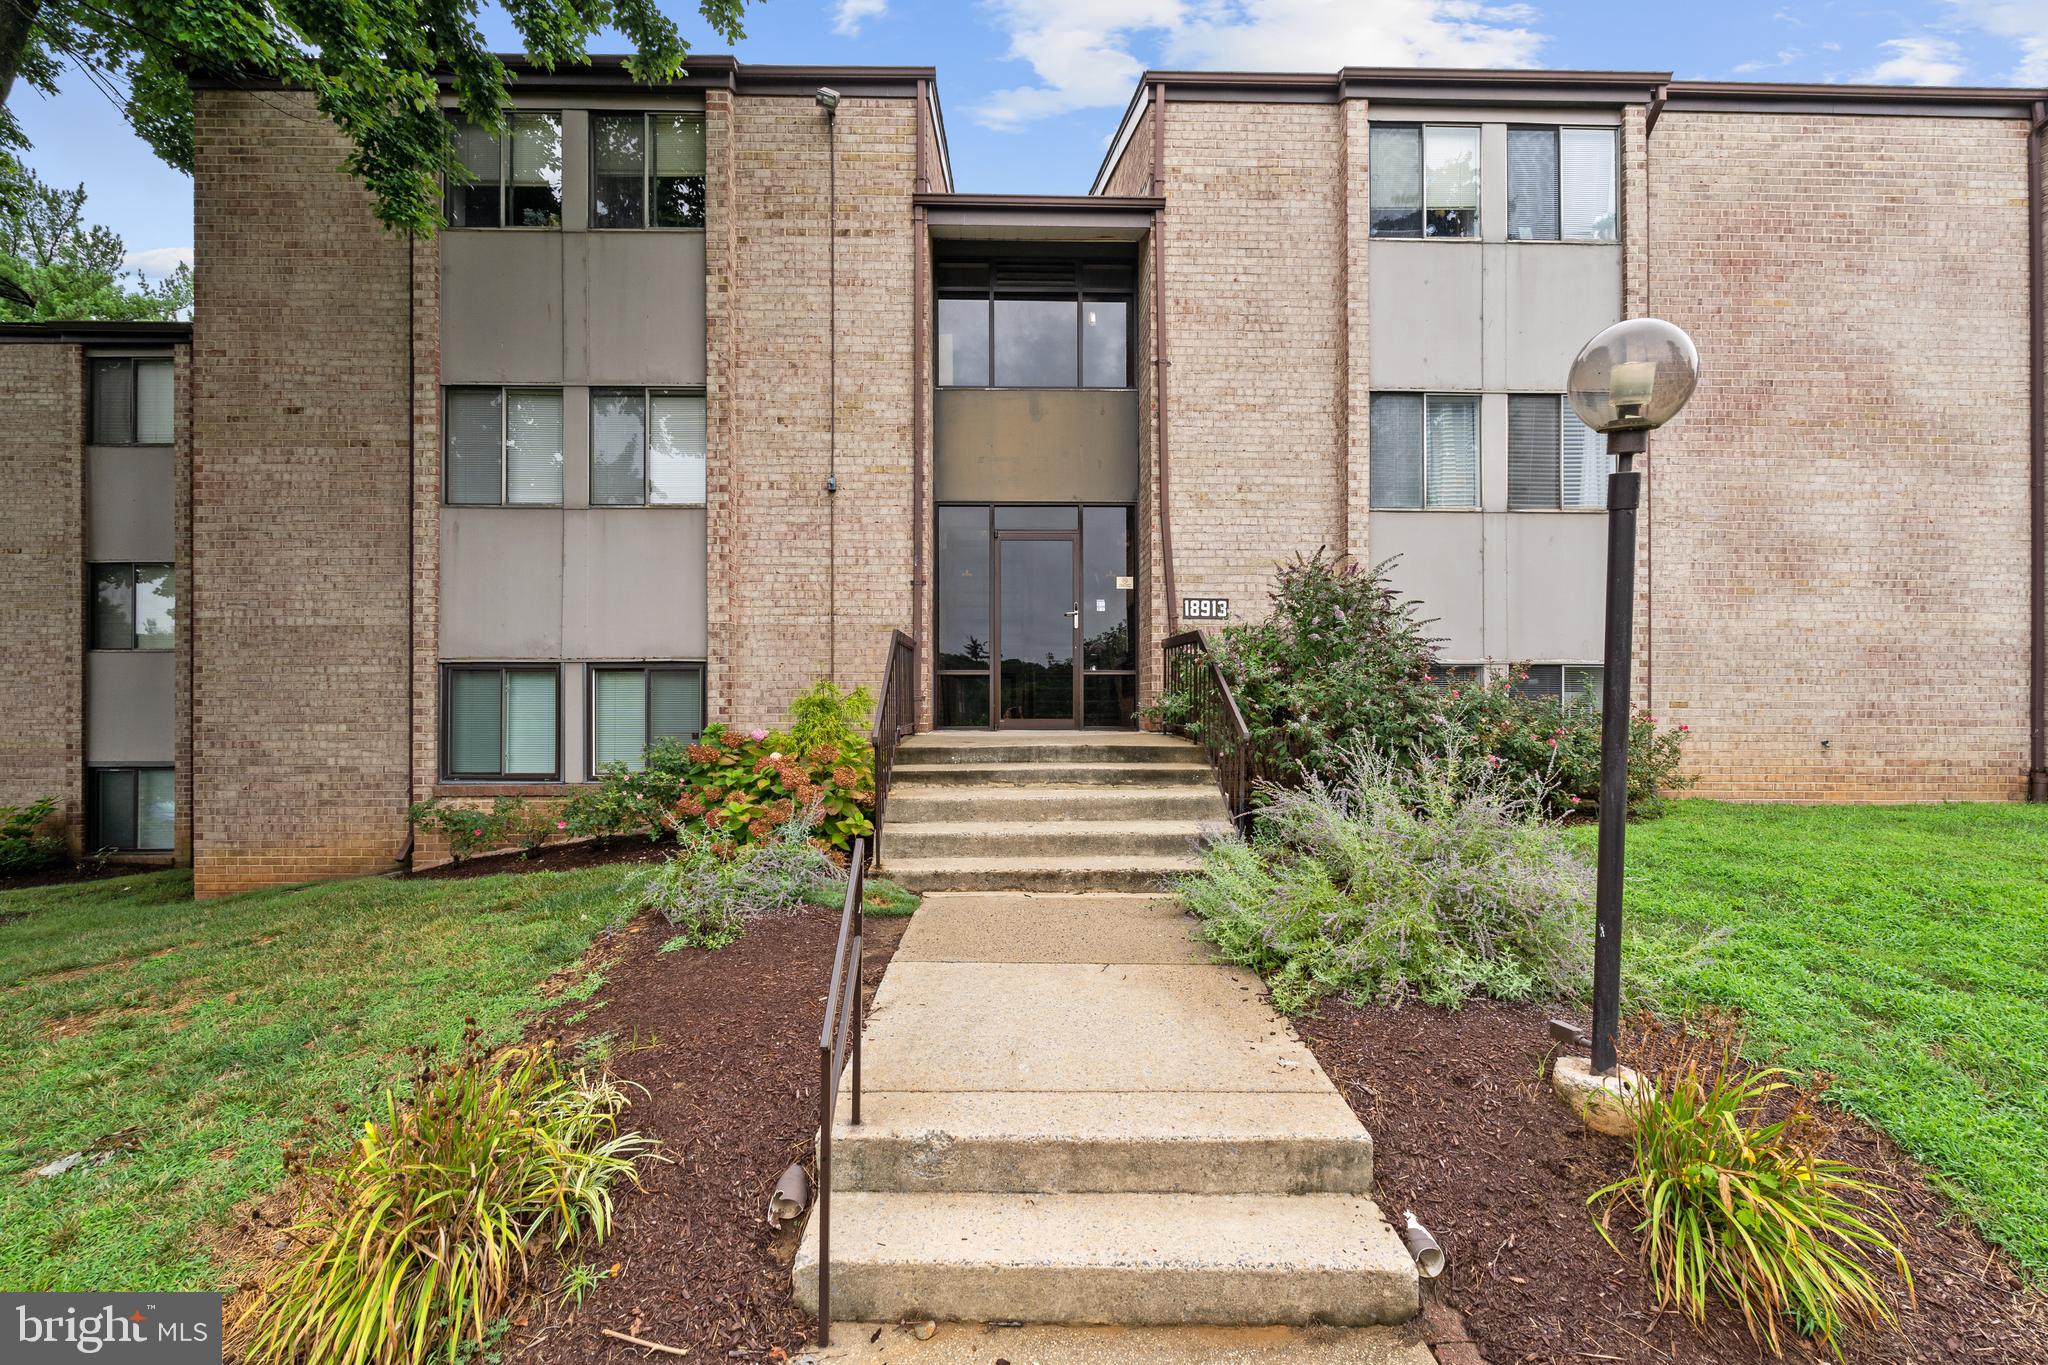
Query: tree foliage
[[373, 66], [56, 266]]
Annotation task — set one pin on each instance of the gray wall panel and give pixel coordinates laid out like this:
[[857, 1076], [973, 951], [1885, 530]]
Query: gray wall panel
[[1426, 315], [501, 307], [1036, 445], [501, 583], [130, 706], [1441, 558], [634, 583], [1557, 295], [635, 307], [1556, 570], [131, 494]]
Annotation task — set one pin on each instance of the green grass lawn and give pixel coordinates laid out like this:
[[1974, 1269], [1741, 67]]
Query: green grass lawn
[[1903, 948], [209, 1034]]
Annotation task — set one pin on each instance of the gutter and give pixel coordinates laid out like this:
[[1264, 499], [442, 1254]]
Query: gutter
[[412, 522], [2037, 440], [920, 391]]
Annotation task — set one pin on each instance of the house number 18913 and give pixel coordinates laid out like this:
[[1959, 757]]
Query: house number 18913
[[1205, 608]]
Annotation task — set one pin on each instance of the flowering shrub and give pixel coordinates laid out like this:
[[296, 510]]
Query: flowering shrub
[[1437, 881], [629, 800], [467, 831], [1343, 661], [741, 787]]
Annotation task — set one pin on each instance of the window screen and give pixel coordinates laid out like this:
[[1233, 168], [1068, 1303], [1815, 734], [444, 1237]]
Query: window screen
[[646, 170], [134, 606], [1570, 685], [1584, 463], [133, 401], [533, 446], [116, 808], [1396, 454], [1450, 182], [630, 708], [156, 607], [1532, 452], [678, 176], [501, 723], [1586, 176], [476, 446], [675, 703], [1451, 452], [134, 809], [1396, 182], [618, 447], [618, 170], [476, 204], [534, 192], [1532, 184], [676, 449]]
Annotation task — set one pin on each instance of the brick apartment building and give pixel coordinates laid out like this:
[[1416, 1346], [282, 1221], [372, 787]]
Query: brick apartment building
[[707, 388]]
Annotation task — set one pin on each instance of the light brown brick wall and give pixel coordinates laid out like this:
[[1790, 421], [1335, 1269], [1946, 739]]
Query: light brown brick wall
[[1257, 339], [1132, 174], [1839, 517], [782, 605], [302, 472], [42, 521]]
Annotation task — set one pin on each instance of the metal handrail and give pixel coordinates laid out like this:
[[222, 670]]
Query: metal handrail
[[895, 717], [839, 1044], [839, 1035], [1216, 722]]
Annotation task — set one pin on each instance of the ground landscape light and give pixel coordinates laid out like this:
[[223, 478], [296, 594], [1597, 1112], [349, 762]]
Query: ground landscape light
[[1634, 376]]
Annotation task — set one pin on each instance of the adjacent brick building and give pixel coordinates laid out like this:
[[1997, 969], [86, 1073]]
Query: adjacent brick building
[[709, 386]]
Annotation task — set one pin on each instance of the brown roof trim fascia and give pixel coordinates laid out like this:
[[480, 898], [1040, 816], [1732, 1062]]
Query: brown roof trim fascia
[[1124, 128], [1079, 204], [97, 333], [706, 71], [1926, 101]]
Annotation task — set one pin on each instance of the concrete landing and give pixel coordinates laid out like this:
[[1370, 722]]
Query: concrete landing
[[980, 1344], [1073, 1117]]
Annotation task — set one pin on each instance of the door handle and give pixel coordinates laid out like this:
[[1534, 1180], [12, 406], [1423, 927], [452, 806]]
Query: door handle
[[1075, 613]]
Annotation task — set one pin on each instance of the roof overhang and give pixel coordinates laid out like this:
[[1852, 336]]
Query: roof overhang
[[97, 333], [1038, 217]]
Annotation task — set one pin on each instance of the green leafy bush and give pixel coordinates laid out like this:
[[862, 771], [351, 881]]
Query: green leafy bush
[[1734, 1205], [629, 801], [1435, 882], [742, 787], [428, 1231], [25, 843], [467, 831], [711, 889], [823, 715], [1343, 661]]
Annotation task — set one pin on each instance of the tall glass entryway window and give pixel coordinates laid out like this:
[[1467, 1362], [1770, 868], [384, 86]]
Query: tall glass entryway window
[[1035, 616]]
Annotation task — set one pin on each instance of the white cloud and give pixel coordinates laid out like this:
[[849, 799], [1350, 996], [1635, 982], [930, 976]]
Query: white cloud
[[1917, 61], [158, 261], [1786, 56], [2023, 22], [849, 15], [1082, 51]]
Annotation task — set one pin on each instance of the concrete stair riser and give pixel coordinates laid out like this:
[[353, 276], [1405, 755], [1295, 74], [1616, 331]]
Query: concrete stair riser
[[1085, 751], [910, 804], [1042, 874], [1055, 774], [1074, 838], [1112, 1258]]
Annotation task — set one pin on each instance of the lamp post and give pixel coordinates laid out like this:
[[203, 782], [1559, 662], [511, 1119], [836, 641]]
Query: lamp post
[[1625, 383]]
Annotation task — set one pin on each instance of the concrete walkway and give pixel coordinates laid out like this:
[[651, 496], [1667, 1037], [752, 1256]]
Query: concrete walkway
[[1072, 1117]]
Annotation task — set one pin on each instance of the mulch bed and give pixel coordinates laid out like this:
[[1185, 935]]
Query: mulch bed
[[726, 1045], [68, 873], [1467, 1133], [552, 858]]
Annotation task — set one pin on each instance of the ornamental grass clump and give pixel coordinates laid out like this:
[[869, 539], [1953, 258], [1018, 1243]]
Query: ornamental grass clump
[[427, 1232], [1736, 1199], [711, 889], [1437, 881]]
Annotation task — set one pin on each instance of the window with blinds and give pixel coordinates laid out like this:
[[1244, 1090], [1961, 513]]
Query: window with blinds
[[647, 448], [1570, 685], [510, 181], [134, 810], [1561, 184], [500, 722], [647, 170], [1424, 180], [134, 606], [504, 447], [1425, 450], [631, 708], [132, 402], [1555, 461]]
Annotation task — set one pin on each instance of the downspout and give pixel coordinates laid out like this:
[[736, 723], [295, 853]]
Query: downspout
[[412, 517], [832, 392], [2037, 435], [920, 391], [1160, 361]]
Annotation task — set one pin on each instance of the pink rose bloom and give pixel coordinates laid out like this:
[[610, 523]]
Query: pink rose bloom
[[561, 824]]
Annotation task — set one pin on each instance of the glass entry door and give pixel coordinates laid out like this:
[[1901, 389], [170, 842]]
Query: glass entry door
[[1037, 627]]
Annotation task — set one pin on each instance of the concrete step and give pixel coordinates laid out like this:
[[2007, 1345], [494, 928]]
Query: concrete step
[[925, 751], [1030, 872], [1100, 1258], [1059, 774], [1068, 1143], [979, 1343], [1067, 838], [912, 802]]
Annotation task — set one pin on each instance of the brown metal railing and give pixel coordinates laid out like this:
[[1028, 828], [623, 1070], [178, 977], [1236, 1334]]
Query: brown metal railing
[[839, 1036], [1213, 719], [895, 717]]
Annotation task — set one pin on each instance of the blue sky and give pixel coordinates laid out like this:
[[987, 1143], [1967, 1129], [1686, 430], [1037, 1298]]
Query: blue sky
[[1032, 89]]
